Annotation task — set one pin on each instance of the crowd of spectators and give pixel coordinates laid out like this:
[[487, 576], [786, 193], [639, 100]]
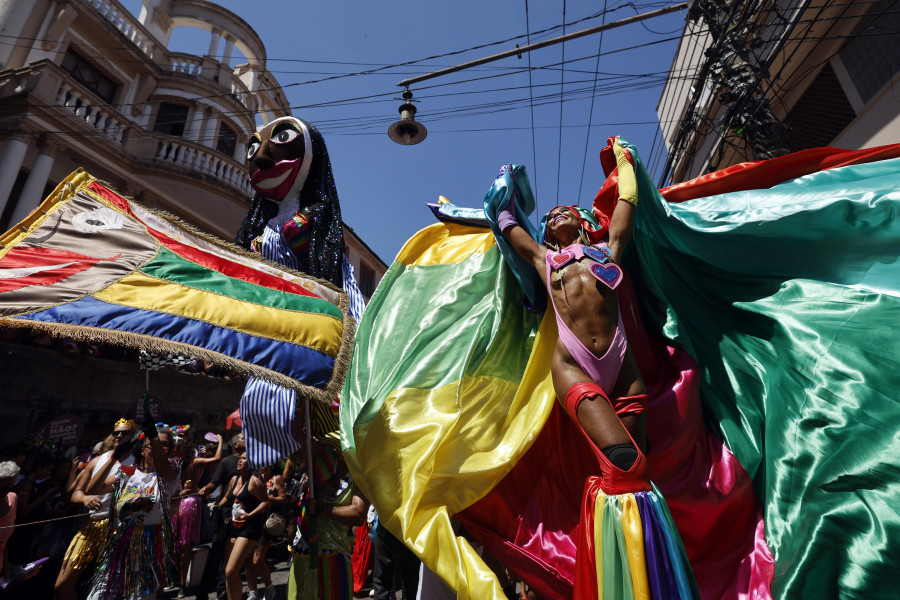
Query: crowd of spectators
[[153, 512], [175, 503]]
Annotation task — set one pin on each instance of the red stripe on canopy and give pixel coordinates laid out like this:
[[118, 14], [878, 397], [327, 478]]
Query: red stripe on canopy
[[23, 258], [206, 259]]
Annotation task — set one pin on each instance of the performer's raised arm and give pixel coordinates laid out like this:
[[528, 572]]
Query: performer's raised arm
[[622, 222], [595, 374], [519, 239]]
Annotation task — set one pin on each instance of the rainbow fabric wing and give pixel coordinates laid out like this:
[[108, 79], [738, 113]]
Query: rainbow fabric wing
[[449, 411], [787, 297], [94, 266]]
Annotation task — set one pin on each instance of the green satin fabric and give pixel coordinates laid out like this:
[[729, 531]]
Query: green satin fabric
[[435, 330], [789, 299], [447, 387]]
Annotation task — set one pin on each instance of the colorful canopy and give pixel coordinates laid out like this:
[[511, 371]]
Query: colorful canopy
[[92, 265]]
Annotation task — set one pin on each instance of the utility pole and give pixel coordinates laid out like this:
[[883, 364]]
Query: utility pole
[[557, 40], [749, 111]]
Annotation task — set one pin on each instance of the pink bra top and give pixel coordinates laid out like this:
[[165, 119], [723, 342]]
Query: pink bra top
[[608, 272]]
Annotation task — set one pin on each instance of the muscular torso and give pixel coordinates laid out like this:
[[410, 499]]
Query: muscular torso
[[590, 310], [586, 306]]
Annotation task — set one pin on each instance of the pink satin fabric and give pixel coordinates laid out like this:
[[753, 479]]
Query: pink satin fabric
[[530, 520]]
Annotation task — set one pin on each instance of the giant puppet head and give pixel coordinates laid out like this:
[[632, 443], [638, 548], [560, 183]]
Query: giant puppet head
[[291, 174]]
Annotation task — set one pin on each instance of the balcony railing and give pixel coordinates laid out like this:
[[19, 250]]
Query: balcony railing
[[187, 64], [199, 159], [130, 27], [84, 112], [174, 62], [195, 66], [96, 115]]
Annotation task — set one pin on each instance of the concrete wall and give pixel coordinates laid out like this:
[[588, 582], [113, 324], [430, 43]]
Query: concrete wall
[[37, 384]]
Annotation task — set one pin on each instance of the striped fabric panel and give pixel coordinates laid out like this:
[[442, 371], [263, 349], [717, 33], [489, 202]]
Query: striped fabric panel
[[274, 248], [313, 330], [266, 447], [325, 425], [335, 577], [267, 412], [357, 304], [171, 267], [219, 261]]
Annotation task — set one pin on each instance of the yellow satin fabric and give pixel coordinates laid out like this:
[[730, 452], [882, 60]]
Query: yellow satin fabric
[[634, 543], [599, 506], [487, 435], [316, 331], [435, 246], [627, 181]]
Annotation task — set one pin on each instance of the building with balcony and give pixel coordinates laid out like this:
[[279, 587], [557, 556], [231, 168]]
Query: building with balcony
[[757, 79], [86, 83]]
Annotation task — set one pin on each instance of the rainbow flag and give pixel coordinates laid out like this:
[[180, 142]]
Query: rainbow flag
[[92, 265]]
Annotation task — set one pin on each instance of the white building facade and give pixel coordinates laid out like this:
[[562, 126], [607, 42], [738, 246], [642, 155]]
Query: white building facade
[[85, 83]]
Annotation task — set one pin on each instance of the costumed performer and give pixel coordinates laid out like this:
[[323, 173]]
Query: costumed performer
[[138, 557], [84, 549], [187, 519], [294, 220], [597, 378], [321, 566]]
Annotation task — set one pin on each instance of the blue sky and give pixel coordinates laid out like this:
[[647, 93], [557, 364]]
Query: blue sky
[[477, 119]]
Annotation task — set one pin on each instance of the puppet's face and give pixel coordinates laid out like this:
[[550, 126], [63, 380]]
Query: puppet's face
[[278, 158]]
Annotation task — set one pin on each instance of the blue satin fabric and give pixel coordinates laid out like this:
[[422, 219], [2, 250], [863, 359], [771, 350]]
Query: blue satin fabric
[[513, 182], [298, 362]]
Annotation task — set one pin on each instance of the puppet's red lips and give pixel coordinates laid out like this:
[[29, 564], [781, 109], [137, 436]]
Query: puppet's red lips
[[275, 182]]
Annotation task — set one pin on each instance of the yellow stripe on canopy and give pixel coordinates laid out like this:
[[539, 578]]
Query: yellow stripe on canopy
[[413, 436], [316, 331], [634, 542], [435, 246]]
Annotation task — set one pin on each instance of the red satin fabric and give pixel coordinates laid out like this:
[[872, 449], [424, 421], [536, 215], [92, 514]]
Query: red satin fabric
[[613, 480], [585, 563], [362, 558], [530, 520]]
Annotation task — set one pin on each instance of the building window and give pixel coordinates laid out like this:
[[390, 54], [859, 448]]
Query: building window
[[227, 140], [366, 280], [171, 119], [872, 57], [821, 114], [89, 76]]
